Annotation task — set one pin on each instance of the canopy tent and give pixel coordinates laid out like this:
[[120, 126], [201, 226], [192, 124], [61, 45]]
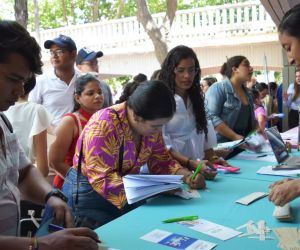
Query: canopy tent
[[277, 8]]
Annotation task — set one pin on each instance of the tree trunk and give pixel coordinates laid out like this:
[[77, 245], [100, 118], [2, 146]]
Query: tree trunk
[[72, 4], [95, 8], [64, 11], [120, 9], [170, 15], [156, 35], [21, 12], [37, 20]]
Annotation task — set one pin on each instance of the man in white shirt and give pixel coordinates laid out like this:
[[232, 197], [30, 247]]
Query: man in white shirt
[[55, 89], [87, 62], [20, 58]]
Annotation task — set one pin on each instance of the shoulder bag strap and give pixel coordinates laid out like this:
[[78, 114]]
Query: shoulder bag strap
[[7, 122], [121, 152]]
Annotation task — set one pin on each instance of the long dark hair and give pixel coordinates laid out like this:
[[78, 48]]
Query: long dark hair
[[80, 84], [167, 75], [129, 88], [152, 100], [261, 86], [289, 24]]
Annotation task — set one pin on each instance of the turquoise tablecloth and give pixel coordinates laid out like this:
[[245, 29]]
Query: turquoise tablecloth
[[217, 204]]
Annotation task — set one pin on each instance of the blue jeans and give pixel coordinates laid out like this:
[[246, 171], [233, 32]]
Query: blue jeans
[[92, 210]]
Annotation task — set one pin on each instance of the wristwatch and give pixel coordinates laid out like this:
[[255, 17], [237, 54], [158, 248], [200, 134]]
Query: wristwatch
[[56, 192]]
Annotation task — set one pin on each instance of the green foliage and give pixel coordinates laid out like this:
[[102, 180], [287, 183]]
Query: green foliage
[[118, 82], [51, 11], [278, 77]]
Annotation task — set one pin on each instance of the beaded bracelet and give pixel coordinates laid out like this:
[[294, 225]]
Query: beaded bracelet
[[34, 245]]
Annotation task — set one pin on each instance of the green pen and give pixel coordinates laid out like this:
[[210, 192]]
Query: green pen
[[193, 217], [198, 169]]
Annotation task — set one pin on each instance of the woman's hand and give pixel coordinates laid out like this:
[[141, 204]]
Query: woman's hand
[[284, 191], [207, 169], [220, 161], [209, 174], [197, 183], [194, 164], [223, 152]]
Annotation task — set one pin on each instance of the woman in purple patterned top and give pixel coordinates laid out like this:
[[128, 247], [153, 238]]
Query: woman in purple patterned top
[[135, 124]]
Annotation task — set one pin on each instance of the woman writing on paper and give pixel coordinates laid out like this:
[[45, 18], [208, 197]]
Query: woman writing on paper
[[287, 190], [189, 135], [117, 141]]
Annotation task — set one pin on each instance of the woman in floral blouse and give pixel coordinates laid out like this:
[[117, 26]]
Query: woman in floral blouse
[[117, 141]]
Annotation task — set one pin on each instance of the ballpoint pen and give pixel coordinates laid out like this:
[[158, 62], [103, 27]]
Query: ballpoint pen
[[193, 217], [261, 156], [198, 169], [54, 228]]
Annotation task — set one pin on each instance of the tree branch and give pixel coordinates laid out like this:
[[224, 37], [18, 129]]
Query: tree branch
[[145, 18], [21, 12]]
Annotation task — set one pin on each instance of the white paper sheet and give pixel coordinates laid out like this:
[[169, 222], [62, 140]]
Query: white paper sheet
[[269, 171], [255, 157], [228, 145], [291, 136], [177, 241], [211, 229]]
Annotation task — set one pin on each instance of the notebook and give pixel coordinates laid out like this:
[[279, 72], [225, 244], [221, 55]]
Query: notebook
[[139, 187], [285, 161]]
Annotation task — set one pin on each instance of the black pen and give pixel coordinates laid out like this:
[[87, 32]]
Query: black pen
[[261, 156]]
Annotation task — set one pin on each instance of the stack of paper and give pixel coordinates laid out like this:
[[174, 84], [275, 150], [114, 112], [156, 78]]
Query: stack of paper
[[139, 187], [268, 170], [254, 141], [229, 145]]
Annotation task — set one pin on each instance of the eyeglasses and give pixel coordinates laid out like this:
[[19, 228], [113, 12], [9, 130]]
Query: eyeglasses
[[58, 52], [191, 71]]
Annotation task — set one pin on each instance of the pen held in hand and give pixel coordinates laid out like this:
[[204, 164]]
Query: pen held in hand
[[198, 169], [193, 217], [54, 228]]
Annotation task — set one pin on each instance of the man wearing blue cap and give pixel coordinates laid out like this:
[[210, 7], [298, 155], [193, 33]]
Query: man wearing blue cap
[[86, 62], [55, 89]]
